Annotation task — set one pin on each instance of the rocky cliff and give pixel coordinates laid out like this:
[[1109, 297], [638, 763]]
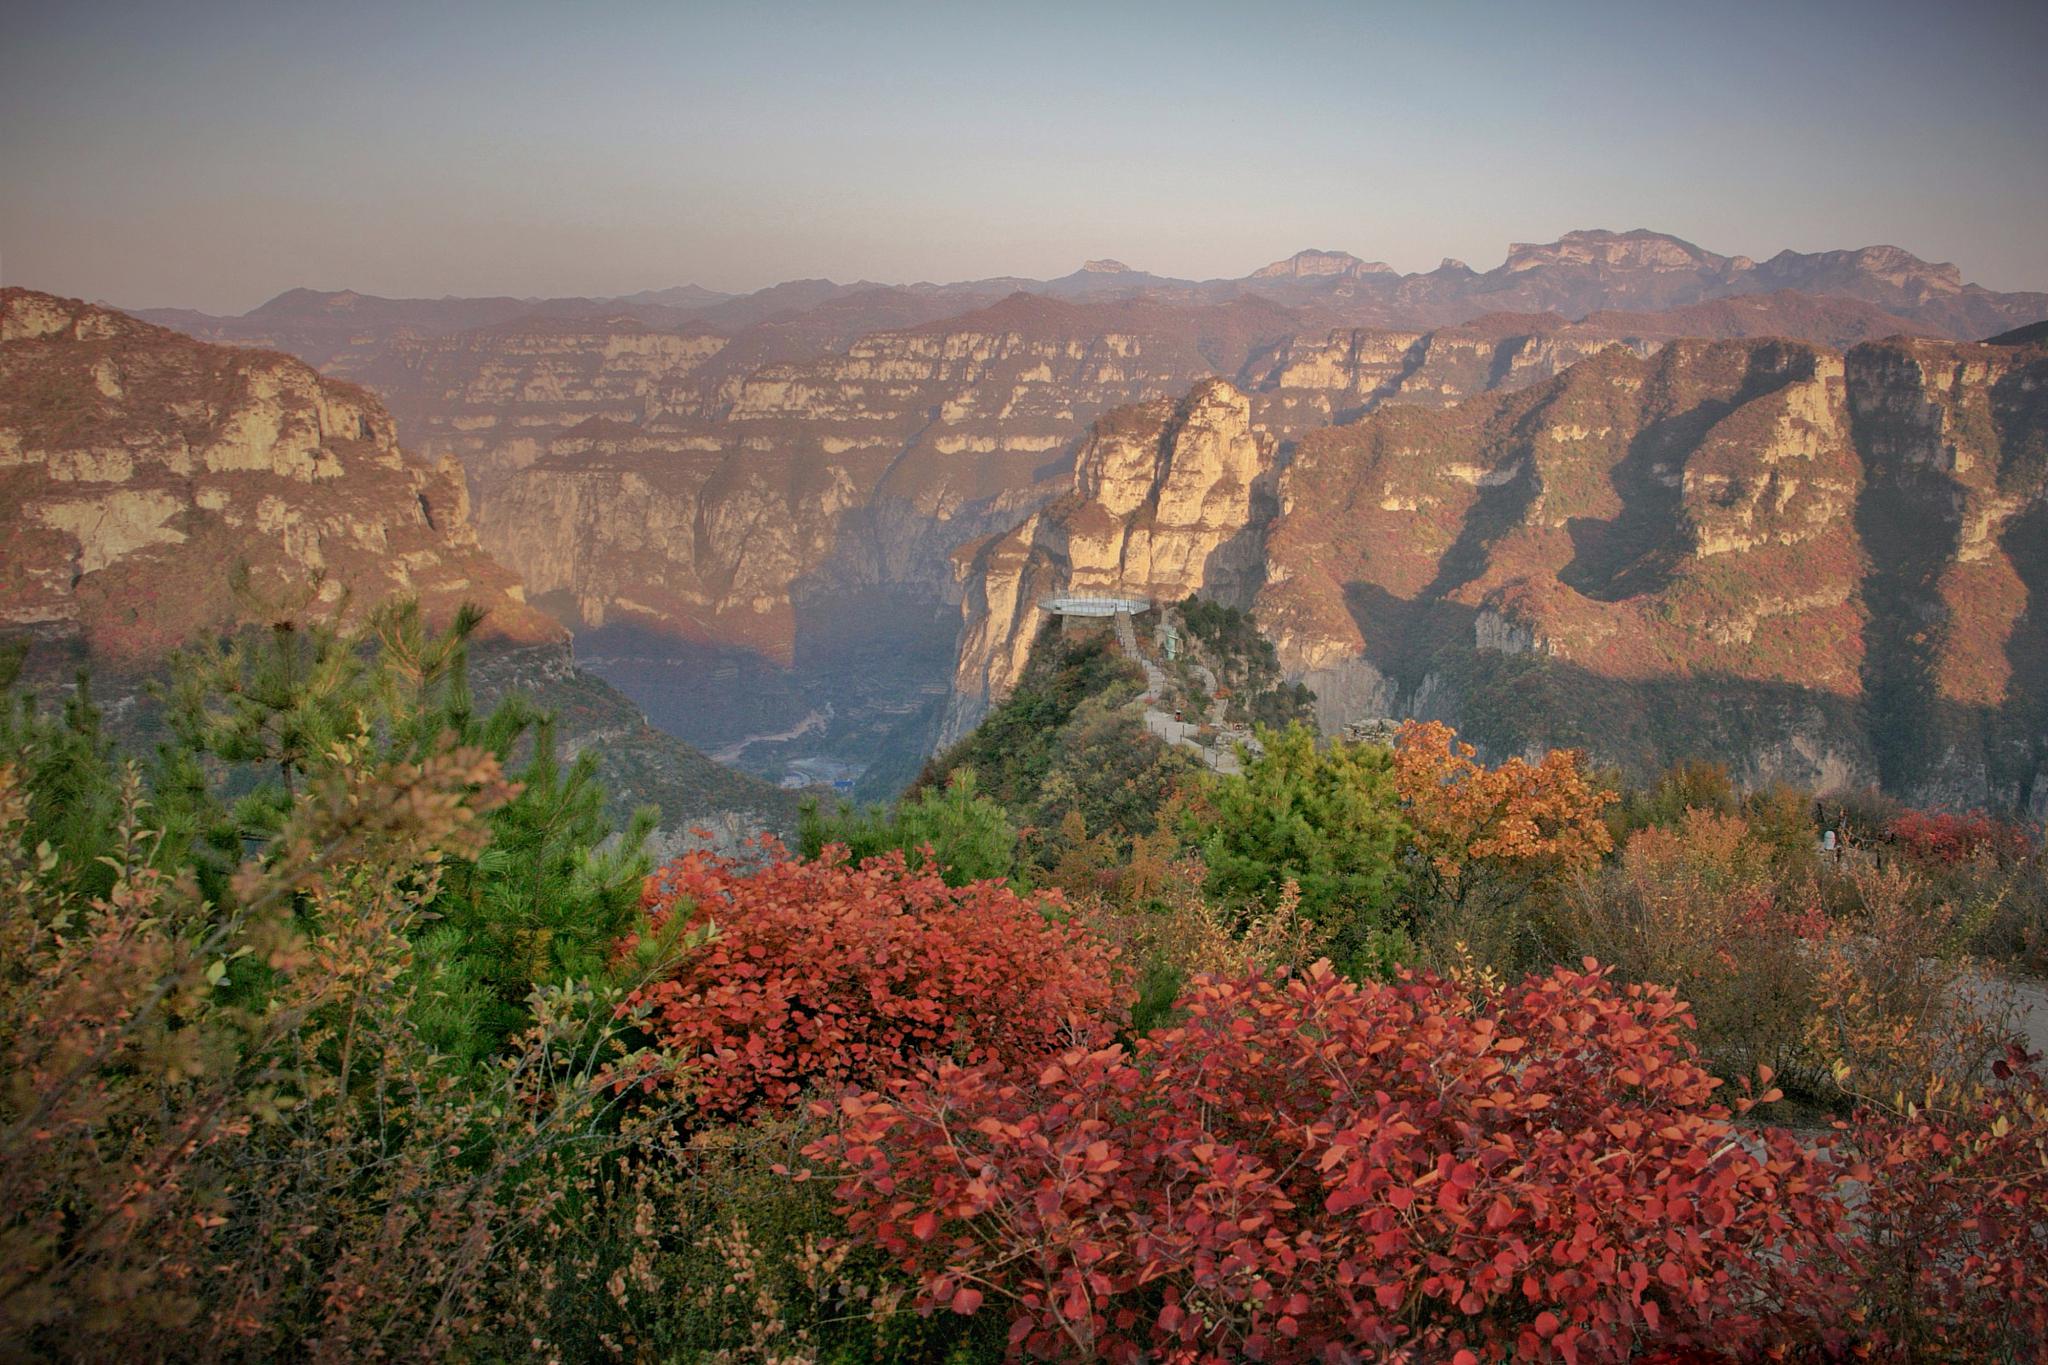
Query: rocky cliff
[[1166, 499], [1822, 566], [141, 468], [494, 397], [138, 464]]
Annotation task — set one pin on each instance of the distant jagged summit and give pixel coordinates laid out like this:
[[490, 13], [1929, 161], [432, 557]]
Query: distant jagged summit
[[677, 296], [1314, 264], [1105, 266], [1637, 249]]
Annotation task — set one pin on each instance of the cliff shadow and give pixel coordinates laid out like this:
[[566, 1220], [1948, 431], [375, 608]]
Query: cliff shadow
[[1514, 703], [1636, 551], [1235, 570], [1402, 634], [1498, 509], [1906, 517]]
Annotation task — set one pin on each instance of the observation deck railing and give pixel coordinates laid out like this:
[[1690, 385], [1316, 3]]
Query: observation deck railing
[[1076, 604]]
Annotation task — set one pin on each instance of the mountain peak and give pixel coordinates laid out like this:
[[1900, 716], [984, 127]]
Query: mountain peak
[[1314, 263], [1105, 267], [1638, 248]]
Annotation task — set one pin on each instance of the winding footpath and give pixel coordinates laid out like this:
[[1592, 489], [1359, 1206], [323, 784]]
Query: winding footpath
[[1222, 758]]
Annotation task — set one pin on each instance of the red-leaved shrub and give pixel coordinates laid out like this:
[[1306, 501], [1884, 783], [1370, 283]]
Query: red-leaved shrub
[[1951, 1258], [826, 973], [1939, 837], [1312, 1169]]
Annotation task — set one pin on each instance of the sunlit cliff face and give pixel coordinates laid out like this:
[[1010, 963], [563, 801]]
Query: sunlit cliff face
[[1736, 541], [141, 466]]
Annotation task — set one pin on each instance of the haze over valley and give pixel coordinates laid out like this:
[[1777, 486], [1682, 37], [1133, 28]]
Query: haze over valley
[[761, 516]]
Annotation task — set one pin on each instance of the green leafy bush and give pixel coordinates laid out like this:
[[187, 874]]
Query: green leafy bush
[[968, 836], [1328, 821]]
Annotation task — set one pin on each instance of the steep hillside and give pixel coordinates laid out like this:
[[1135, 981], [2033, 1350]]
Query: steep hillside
[[141, 468], [138, 464], [714, 517], [1818, 565]]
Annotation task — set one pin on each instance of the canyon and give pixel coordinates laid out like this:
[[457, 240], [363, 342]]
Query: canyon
[[1822, 566], [752, 511]]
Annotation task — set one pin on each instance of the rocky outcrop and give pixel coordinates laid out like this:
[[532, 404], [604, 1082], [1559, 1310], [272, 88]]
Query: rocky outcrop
[[139, 466], [1312, 264], [1162, 498], [1820, 566]]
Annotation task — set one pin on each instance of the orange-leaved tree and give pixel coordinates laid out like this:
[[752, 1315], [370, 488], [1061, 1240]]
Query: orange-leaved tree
[[825, 973], [1520, 821]]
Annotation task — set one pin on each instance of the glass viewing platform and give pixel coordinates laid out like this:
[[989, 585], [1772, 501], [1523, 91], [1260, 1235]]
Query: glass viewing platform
[[1069, 604]]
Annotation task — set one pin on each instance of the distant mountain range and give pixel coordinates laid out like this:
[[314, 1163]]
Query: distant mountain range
[[1580, 273], [712, 490]]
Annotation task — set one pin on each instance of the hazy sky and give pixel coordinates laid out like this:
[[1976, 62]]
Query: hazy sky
[[213, 154]]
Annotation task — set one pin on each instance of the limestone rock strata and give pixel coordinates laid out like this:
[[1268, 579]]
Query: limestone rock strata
[[494, 397], [1164, 500], [139, 465], [1823, 566]]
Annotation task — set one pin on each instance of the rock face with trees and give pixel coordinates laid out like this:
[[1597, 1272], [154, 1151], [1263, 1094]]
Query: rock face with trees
[[164, 491], [1817, 564]]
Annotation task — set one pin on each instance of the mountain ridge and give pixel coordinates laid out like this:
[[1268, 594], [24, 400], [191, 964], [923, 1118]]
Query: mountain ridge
[[1891, 276], [142, 468], [1821, 566]]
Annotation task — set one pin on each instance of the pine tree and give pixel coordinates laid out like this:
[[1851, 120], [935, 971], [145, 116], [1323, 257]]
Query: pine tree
[[68, 764]]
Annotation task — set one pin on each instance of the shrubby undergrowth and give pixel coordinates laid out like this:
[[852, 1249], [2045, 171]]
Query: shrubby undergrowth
[[346, 1026]]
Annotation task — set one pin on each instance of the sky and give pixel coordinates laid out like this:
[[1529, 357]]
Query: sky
[[212, 154]]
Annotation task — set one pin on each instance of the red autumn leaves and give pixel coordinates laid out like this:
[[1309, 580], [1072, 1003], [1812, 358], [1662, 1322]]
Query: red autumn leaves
[[822, 975], [1314, 1169], [1942, 838]]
